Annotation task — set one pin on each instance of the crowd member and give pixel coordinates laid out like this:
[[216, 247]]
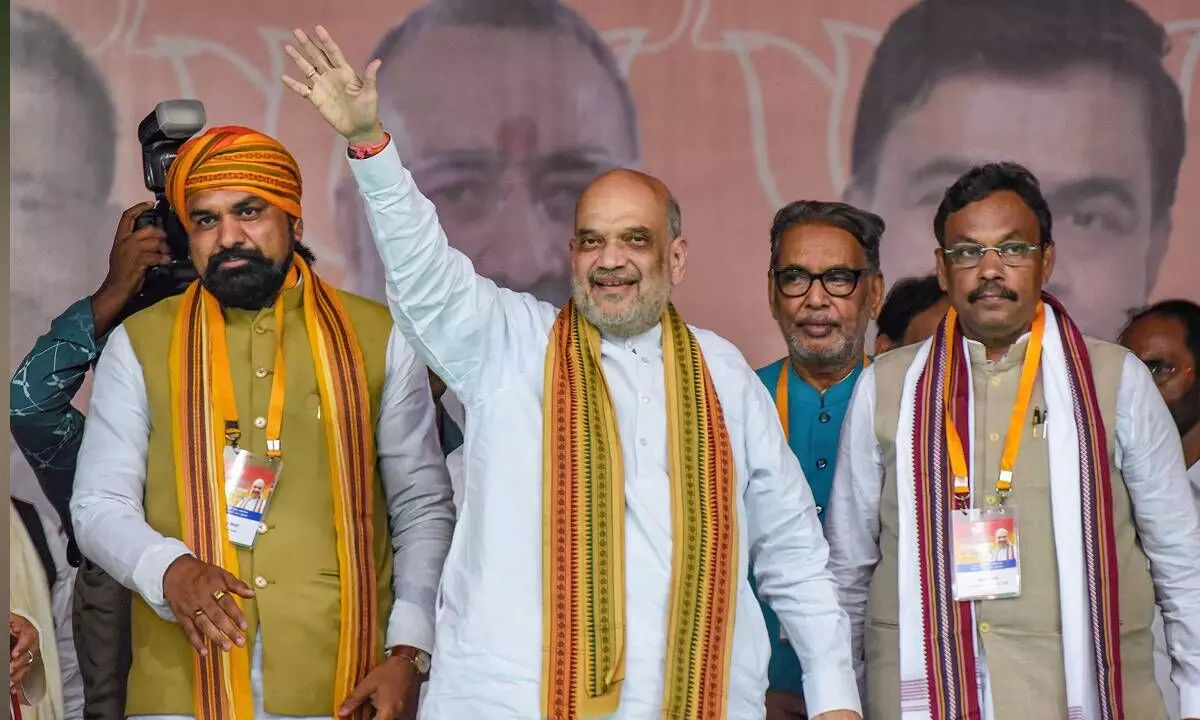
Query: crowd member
[[912, 310], [325, 601], [825, 288], [646, 450], [1166, 337], [35, 682], [949, 442]]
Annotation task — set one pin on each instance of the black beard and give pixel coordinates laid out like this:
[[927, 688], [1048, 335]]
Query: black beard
[[251, 286]]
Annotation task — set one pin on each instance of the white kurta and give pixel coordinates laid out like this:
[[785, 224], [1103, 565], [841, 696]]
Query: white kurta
[[489, 346]]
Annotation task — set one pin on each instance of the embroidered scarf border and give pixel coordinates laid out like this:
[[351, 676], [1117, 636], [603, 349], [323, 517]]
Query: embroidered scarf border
[[583, 531], [222, 680], [949, 625]]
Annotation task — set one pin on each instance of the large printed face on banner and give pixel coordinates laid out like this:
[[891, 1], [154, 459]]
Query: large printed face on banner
[[502, 130], [1084, 133], [61, 165]]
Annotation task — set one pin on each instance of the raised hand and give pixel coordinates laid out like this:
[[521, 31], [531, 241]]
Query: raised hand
[[347, 102]]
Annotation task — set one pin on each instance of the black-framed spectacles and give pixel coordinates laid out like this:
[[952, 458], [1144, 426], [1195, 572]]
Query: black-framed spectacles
[[969, 255], [838, 282]]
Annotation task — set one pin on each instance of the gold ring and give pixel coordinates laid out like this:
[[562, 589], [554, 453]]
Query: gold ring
[[198, 613], [218, 595], [312, 73], [30, 657]]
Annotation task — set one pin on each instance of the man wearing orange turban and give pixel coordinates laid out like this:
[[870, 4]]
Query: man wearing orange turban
[[323, 598]]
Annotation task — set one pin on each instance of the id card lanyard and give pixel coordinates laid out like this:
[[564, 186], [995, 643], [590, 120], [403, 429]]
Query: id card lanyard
[[1012, 440], [223, 380], [781, 394]]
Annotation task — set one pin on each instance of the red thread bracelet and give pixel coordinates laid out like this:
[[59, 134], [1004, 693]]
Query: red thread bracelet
[[362, 152]]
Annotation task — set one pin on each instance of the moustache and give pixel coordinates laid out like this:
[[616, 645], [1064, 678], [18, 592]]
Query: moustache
[[815, 320], [992, 290], [252, 256], [613, 277]]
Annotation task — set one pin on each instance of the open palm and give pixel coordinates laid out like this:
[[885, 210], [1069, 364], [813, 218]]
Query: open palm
[[347, 102]]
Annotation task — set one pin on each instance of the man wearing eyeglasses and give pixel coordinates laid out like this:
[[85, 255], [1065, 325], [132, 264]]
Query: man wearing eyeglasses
[[1010, 418], [824, 287], [1166, 337]]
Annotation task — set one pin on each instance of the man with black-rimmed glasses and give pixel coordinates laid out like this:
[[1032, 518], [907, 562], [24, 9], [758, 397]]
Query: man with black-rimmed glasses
[[824, 287]]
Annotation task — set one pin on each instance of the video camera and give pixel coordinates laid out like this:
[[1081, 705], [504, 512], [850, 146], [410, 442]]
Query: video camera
[[161, 134]]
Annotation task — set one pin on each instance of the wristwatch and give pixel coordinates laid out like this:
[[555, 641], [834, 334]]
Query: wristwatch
[[419, 658]]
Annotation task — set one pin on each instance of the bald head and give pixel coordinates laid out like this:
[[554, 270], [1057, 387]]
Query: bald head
[[633, 185], [627, 252]]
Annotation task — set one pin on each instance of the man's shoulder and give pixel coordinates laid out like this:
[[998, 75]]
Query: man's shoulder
[[896, 360], [1105, 352], [718, 350], [152, 319], [364, 310]]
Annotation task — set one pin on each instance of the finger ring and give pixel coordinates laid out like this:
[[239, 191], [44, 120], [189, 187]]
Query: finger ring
[[312, 73], [218, 595], [30, 657], [199, 612]]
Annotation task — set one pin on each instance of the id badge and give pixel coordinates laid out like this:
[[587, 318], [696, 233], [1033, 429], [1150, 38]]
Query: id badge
[[249, 482], [987, 555]]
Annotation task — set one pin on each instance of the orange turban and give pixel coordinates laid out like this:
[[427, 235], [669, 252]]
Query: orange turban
[[234, 158]]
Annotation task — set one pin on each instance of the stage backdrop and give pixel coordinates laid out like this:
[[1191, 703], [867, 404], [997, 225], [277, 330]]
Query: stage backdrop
[[506, 109]]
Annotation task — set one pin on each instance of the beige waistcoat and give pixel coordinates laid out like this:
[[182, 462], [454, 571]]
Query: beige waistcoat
[[1021, 636]]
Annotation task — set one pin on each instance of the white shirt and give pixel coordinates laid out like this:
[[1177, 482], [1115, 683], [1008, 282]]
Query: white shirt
[[110, 523], [1150, 457], [489, 345]]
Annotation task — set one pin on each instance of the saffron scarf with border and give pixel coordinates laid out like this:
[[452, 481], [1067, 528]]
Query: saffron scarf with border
[[222, 680], [943, 674], [583, 529]]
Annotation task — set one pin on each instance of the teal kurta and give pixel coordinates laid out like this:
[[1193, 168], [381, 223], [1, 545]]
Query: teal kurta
[[814, 429]]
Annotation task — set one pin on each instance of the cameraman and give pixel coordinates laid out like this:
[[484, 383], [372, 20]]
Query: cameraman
[[48, 430]]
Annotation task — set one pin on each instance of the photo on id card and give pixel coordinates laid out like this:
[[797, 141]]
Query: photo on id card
[[249, 482], [987, 562]]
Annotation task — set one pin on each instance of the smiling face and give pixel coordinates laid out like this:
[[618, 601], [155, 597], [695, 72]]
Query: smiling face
[[824, 331], [241, 246], [995, 300], [623, 257]]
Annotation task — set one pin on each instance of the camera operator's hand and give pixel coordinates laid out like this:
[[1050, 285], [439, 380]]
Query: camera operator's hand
[[347, 102], [133, 252]]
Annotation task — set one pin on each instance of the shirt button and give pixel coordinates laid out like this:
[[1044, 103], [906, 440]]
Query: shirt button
[[260, 582], [996, 381], [260, 330], [262, 528], [646, 399], [823, 417], [260, 422], [984, 627], [645, 361], [822, 463], [260, 373], [642, 442], [820, 509], [994, 437]]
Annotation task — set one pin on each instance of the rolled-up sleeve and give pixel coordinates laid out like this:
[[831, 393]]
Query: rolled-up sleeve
[[1151, 459], [789, 555], [852, 519], [110, 480]]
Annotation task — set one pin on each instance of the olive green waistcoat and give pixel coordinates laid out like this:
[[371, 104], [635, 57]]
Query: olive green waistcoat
[[1021, 636], [293, 567]]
